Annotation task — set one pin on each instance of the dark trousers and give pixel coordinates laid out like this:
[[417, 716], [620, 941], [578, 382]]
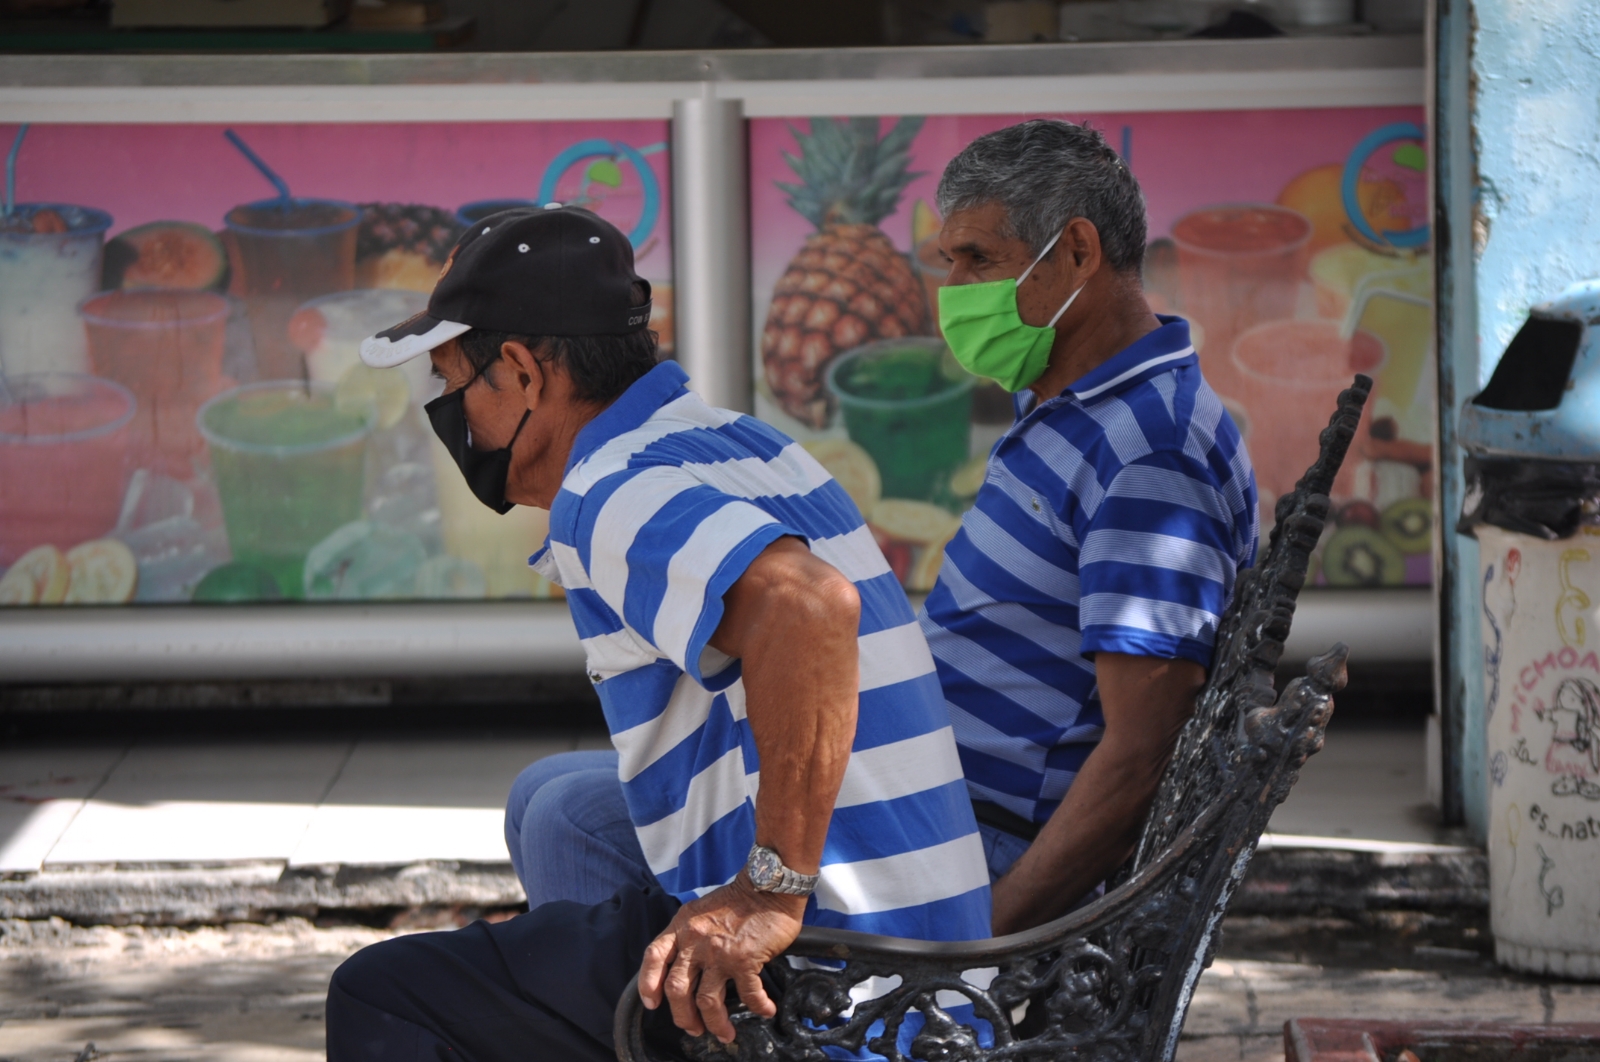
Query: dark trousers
[[543, 985]]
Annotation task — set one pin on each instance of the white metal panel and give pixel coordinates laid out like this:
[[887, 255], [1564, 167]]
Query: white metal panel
[[507, 638], [536, 102], [239, 642]]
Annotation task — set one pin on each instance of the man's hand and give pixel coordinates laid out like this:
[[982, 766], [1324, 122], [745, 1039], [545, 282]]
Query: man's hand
[[1146, 700], [726, 935]]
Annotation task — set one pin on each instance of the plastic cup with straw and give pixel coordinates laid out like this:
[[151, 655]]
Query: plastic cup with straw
[[50, 256], [287, 250], [11, 168]]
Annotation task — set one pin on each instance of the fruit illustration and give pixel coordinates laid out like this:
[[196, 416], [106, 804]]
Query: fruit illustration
[[1316, 193], [176, 255], [966, 481], [403, 245], [101, 572], [853, 467], [848, 285], [363, 387], [912, 535], [1357, 513], [1360, 556], [925, 224], [1408, 523], [39, 577]]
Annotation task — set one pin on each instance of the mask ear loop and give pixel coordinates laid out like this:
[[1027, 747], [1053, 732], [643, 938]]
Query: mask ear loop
[[1053, 240], [523, 423], [1064, 306]]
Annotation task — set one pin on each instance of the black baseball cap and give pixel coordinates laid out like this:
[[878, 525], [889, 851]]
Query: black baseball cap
[[550, 271]]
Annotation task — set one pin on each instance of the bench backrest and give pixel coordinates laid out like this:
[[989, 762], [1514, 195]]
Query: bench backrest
[[1250, 636]]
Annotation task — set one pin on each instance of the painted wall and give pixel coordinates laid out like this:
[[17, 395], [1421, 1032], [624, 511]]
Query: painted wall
[[1534, 228], [1537, 126]]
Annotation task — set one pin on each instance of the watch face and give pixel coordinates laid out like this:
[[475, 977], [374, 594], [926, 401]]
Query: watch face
[[765, 867]]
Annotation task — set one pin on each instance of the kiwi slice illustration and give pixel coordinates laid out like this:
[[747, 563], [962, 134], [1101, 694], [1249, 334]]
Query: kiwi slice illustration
[[1357, 513], [1408, 523], [1360, 556]]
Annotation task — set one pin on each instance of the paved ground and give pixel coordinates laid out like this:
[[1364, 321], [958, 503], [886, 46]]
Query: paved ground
[[385, 801], [253, 993]]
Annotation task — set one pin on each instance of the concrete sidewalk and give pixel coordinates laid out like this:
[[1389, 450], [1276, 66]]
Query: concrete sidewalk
[[254, 993], [323, 846], [164, 831], [386, 802], [366, 802]]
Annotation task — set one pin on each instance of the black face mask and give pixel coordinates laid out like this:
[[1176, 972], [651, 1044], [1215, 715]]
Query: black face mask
[[485, 470]]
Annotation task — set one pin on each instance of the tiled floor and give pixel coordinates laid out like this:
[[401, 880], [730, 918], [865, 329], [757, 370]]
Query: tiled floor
[[394, 802]]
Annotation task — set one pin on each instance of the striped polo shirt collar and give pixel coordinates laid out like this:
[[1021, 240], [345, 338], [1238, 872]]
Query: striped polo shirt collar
[[637, 404], [1163, 350]]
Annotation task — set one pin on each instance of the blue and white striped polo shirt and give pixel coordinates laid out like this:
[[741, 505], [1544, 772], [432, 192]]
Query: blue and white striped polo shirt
[[664, 504], [1113, 517]]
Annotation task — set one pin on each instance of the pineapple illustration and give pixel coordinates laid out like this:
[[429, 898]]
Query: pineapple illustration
[[848, 285]]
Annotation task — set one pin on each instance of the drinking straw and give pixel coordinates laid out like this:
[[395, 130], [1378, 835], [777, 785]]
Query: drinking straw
[[11, 169], [256, 161]]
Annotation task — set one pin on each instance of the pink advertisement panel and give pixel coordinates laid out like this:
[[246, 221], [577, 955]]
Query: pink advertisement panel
[[1294, 241], [183, 414]]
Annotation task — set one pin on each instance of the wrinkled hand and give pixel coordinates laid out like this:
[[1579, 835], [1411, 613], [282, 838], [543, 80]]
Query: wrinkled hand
[[726, 935]]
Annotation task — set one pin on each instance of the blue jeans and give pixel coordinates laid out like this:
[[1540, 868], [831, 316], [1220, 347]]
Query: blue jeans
[[569, 833], [570, 836]]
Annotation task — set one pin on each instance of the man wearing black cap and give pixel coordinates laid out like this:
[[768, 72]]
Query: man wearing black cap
[[782, 745]]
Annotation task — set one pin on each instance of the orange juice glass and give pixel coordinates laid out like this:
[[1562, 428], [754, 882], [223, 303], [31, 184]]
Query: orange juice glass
[[285, 252], [166, 347], [63, 459], [1289, 375], [1238, 265]]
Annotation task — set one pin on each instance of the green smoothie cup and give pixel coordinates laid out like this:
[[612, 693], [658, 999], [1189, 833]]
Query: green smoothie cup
[[909, 404], [290, 467]]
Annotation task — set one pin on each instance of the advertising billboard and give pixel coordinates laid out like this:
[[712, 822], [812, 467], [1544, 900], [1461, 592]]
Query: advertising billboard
[[183, 414], [1294, 241]]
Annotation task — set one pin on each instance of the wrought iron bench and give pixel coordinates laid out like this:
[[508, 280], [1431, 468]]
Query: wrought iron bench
[[1112, 980]]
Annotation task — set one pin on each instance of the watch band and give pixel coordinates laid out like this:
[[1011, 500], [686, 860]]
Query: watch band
[[767, 873]]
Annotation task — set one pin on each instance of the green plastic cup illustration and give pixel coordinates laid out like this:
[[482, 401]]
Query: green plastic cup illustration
[[908, 403], [290, 467]]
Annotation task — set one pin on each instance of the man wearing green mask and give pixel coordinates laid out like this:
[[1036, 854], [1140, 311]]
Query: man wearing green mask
[[1076, 609]]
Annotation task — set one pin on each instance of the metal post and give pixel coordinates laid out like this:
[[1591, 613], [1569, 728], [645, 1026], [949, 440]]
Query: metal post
[[711, 248], [1458, 663]]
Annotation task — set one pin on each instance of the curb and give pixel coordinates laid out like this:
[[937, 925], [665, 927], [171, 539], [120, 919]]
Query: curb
[[168, 895], [1292, 875], [1289, 876], [1332, 1040]]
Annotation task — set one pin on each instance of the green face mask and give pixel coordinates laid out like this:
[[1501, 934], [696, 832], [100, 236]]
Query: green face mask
[[989, 337]]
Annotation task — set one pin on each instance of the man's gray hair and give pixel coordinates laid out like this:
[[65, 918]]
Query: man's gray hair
[[1045, 172]]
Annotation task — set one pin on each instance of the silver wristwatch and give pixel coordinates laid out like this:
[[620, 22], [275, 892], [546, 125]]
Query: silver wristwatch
[[767, 873]]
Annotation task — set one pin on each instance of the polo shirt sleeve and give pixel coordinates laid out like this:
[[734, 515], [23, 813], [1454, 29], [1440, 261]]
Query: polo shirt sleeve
[[663, 548], [1156, 567]]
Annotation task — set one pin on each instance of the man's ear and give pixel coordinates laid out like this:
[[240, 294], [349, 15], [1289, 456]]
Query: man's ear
[[1081, 241], [529, 372]]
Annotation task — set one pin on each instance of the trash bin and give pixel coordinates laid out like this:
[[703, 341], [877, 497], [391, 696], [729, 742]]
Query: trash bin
[[1533, 501]]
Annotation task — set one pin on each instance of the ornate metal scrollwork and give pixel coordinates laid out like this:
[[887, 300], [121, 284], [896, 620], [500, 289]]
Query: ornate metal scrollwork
[[1111, 981]]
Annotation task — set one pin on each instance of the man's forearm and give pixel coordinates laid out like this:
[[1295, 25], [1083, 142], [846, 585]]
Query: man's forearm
[[1087, 838], [1146, 701], [801, 673], [800, 683]]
